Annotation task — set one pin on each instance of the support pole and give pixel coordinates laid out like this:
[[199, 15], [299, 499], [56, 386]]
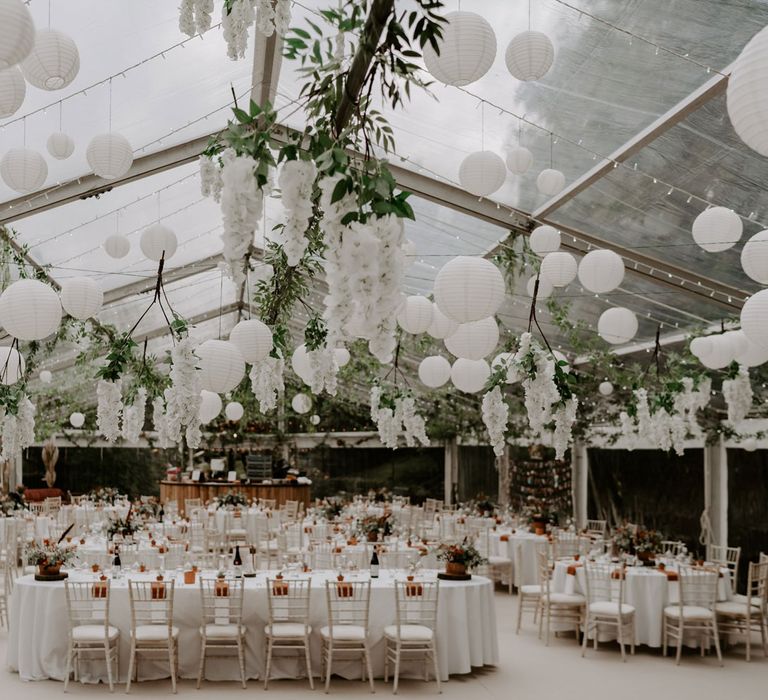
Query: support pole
[[579, 478], [450, 469], [502, 466], [716, 491]]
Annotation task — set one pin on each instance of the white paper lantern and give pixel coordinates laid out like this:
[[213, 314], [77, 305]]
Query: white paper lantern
[[81, 297], [409, 251], [30, 310], [754, 318], [474, 340], [117, 246], [253, 339], [221, 365], [482, 173], [60, 145], [519, 159], [605, 388], [11, 365], [13, 89], [441, 326], [434, 371], [749, 445], [753, 355], [529, 55], [470, 376], [747, 101], [234, 411], [23, 170], [617, 325], [17, 32], [468, 289], [545, 288], [415, 315], [54, 61], [601, 271], [701, 346], [717, 229], [738, 341], [558, 268], [550, 182], [109, 155], [314, 419], [544, 239], [300, 363], [46, 377], [77, 419], [210, 406], [158, 241], [720, 353], [301, 403], [467, 50], [504, 360], [754, 257], [342, 356]]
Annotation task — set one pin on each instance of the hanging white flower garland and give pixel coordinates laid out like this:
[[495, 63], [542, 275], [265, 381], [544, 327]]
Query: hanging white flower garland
[[109, 408], [296, 179], [495, 417], [160, 421], [236, 23], [18, 431], [737, 393], [400, 418], [195, 16], [267, 382], [133, 416], [183, 396], [273, 16]]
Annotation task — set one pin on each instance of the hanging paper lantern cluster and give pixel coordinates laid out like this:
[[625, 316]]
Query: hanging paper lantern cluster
[[601, 271], [210, 406], [158, 241], [716, 229], [234, 411], [718, 351], [441, 326], [558, 268], [54, 61], [519, 160], [468, 289], [60, 146], [109, 155], [470, 376], [23, 170], [17, 32], [301, 403], [754, 257], [529, 55], [13, 89], [474, 340], [117, 246], [221, 365], [30, 310], [550, 182], [77, 419], [81, 297], [482, 173], [253, 339], [415, 314], [434, 371], [11, 365], [746, 98], [617, 325], [544, 239]]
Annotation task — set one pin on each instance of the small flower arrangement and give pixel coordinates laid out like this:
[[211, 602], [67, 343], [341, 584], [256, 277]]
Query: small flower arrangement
[[123, 526], [105, 495], [371, 524], [648, 541], [332, 509], [232, 499], [463, 553], [148, 509], [49, 554]]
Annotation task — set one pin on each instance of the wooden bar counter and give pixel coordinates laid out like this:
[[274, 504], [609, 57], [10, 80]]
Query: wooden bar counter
[[180, 491]]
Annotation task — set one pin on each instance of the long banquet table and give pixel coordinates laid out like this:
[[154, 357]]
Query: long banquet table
[[37, 642]]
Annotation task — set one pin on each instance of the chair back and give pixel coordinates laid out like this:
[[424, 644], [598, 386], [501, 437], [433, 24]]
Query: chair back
[[87, 603], [52, 504], [604, 583], [289, 601], [151, 603], [348, 602], [36, 508], [597, 528], [268, 503], [726, 556], [566, 545], [416, 603], [698, 586], [222, 601], [757, 585], [291, 509], [544, 572], [673, 547]]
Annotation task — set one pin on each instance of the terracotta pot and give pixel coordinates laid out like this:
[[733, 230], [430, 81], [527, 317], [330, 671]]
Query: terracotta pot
[[49, 569], [189, 577], [373, 536], [454, 568]]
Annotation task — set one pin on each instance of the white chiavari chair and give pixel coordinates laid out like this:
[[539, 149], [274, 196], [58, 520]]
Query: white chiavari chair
[[52, 505], [727, 557], [291, 510], [597, 528], [748, 613], [198, 539], [191, 505], [36, 508], [566, 545], [500, 567], [672, 547], [268, 503], [171, 509], [562, 608], [528, 595], [323, 557]]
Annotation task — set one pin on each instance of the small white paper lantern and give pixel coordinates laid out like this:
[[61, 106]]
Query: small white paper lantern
[[717, 229], [467, 49], [720, 353], [77, 419], [17, 32], [415, 314], [23, 170], [158, 240], [117, 246], [221, 365], [81, 297], [529, 55], [605, 388], [11, 365], [545, 288], [441, 326], [701, 346], [470, 376], [342, 356], [13, 89], [519, 160], [468, 289], [210, 406], [54, 62], [60, 145], [301, 403], [314, 419], [550, 182], [753, 355], [482, 173], [747, 101], [601, 271], [754, 318], [109, 155], [30, 310], [434, 371], [749, 445], [617, 325], [234, 411], [253, 339], [754, 257], [474, 340], [558, 268], [300, 363], [46, 377], [544, 239]]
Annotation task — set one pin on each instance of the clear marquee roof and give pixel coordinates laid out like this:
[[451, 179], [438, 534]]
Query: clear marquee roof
[[623, 68]]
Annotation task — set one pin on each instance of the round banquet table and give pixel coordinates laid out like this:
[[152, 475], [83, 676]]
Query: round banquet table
[[506, 542], [37, 641]]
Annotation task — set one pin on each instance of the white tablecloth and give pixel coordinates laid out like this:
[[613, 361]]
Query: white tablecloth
[[526, 542], [37, 642]]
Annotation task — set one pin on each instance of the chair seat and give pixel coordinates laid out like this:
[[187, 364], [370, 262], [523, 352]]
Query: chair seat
[[93, 633], [531, 589], [609, 607], [733, 608], [344, 633], [409, 633], [496, 560], [214, 631], [689, 612], [286, 630], [567, 599], [739, 598], [154, 633]]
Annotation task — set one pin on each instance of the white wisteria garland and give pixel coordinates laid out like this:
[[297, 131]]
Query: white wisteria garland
[[18, 431], [496, 417], [403, 419], [108, 408], [267, 382], [738, 395], [273, 16], [183, 396], [160, 421], [133, 416], [195, 16], [236, 23], [295, 180]]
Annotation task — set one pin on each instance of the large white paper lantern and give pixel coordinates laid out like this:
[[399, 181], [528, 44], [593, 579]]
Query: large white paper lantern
[[54, 61], [617, 325], [550, 182], [117, 246], [754, 257], [754, 318], [545, 288], [529, 55], [301, 403], [717, 229], [253, 339], [470, 376], [519, 160], [300, 363], [558, 268], [13, 89], [60, 145], [434, 371], [17, 32], [234, 411], [738, 340], [753, 355], [23, 170], [468, 289], [415, 314], [210, 406], [109, 155], [76, 419], [467, 50], [474, 340], [11, 365], [701, 346], [544, 239], [221, 365], [441, 326], [605, 388], [342, 356], [746, 97], [482, 173], [46, 377], [720, 352], [30, 310], [81, 297], [158, 241], [601, 271]]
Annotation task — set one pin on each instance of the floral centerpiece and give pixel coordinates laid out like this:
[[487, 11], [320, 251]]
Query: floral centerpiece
[[371, 525], [148, 509], [460, 557], [648, 542], [231, 499], [332, 509], [105, 495], [123, 526], [633, 539], [49, 557]]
